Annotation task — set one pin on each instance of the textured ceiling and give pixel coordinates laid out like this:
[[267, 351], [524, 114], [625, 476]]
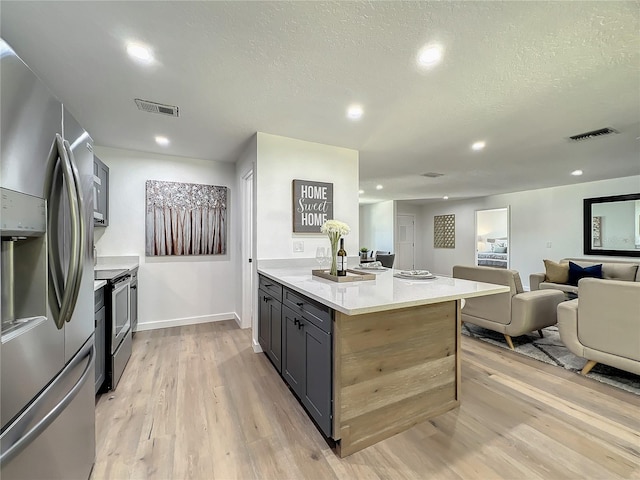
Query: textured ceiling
[[523, 76]]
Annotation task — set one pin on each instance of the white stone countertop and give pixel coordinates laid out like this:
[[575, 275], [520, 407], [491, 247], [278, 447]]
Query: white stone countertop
[[98, 284], [126, 262], [386, 292]]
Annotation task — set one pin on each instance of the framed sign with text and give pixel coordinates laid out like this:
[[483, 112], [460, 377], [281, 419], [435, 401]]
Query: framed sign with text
[[312, 205]]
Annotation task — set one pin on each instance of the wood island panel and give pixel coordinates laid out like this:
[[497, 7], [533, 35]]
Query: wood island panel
[[392, 370]]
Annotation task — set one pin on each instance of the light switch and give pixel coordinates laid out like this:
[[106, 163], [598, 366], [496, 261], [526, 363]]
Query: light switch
[[298, 246]]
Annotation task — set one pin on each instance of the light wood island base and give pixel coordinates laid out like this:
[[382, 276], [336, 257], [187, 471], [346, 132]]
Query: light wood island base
[[393, 370]]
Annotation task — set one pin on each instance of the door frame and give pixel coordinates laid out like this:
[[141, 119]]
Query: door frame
[[507, 208], [248, 270], [413, 240]]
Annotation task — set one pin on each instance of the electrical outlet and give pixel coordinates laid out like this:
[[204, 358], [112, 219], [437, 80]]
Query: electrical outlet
[[298, 246], [548, 244]]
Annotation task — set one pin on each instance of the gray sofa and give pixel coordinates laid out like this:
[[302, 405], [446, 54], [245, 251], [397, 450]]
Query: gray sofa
[[512, 314], [603, 324], [628, 271]]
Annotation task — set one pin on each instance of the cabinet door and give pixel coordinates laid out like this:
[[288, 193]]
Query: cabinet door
[[275, 333], [101, 192], [293, 351], [318, 378], [264, 320], [99, 340]]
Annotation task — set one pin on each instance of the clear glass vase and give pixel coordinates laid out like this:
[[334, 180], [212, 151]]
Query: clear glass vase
[[334, 256]]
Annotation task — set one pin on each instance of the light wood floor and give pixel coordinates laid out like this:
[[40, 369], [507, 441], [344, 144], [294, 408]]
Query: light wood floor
[[196, 402]]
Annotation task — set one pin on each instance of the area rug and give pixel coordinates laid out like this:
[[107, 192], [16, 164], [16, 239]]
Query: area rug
[[550, 349]]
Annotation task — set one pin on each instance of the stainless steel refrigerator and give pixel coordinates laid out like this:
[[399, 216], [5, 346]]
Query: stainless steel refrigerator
[[47, 403]]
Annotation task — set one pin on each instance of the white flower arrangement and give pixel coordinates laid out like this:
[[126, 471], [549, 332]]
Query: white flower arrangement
[[335, 226], [334, 229]]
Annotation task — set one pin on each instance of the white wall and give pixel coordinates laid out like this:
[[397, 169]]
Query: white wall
[[378, 223], [281, 160], [172, 290], [538, 217]]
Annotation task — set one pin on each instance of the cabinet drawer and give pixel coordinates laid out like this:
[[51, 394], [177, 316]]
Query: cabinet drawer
[[99, 299], [271, 287], [315, 312]]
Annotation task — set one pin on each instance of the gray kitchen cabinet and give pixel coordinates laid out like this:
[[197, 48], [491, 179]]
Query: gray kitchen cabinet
[[100, 193], [100, 339], [306, 366], [295, 332], [270, 327]]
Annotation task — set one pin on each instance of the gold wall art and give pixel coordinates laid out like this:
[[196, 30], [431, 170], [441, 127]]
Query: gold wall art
[[444, 231]]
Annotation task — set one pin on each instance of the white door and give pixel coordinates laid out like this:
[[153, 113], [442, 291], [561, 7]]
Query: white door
[[405, 241], [247, 252]]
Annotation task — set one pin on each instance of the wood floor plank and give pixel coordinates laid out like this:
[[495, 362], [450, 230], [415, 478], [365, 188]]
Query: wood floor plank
[[196, 402]]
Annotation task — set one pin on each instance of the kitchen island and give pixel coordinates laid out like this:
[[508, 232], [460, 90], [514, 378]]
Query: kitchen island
[[380, 355]]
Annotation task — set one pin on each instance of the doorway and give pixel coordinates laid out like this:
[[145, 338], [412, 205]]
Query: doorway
[[405, 242], [492, 237], [248, 265]]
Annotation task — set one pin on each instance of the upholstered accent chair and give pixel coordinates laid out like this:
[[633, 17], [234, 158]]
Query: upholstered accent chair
[[386, 260], [603, 323], [512, 314]]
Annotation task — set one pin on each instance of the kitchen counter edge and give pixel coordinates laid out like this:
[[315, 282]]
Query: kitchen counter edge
[[495, 289]]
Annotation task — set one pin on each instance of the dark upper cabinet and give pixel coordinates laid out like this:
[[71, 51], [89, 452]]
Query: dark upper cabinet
[[100, 193]]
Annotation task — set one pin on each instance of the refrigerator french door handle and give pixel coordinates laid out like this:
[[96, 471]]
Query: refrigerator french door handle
[[50, 417], [78, 229], [61, 294]]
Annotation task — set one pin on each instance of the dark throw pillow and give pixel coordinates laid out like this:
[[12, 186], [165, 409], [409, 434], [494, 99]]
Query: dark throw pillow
[[576, 272]]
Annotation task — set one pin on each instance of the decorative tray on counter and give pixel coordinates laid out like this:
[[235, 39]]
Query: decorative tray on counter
[[352, 276]]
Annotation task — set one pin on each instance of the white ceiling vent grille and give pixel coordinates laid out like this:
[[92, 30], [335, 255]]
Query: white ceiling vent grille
[[432, 174], [153, 107], [595, 133]]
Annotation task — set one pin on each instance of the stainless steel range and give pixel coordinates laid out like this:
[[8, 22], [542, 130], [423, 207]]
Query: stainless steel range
[[118, 331]]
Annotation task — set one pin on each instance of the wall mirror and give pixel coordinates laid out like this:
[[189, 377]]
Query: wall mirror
[[492, 237], [612, 225]]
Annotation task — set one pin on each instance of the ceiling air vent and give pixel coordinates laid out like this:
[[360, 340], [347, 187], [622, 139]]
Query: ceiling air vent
[[593, 134], [432, 174], [153, 107]]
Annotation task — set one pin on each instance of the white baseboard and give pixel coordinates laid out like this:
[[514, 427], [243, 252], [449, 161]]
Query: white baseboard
[[179, 322], [256, 347]]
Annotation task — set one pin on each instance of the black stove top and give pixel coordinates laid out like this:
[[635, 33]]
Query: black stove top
[[109, 274]]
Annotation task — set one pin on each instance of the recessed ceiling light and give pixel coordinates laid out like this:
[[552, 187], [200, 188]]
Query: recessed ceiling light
[[576, 173], [354, 112], [445, 198], [140, 53], [360, 192], [430, 55], [162, 141], [378, 187], [478, 146]]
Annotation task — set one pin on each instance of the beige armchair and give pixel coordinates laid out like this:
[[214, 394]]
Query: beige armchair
[[603, 324], [512, 314]]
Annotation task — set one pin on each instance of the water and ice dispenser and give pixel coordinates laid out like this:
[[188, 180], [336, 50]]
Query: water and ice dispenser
[[24, 259]]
